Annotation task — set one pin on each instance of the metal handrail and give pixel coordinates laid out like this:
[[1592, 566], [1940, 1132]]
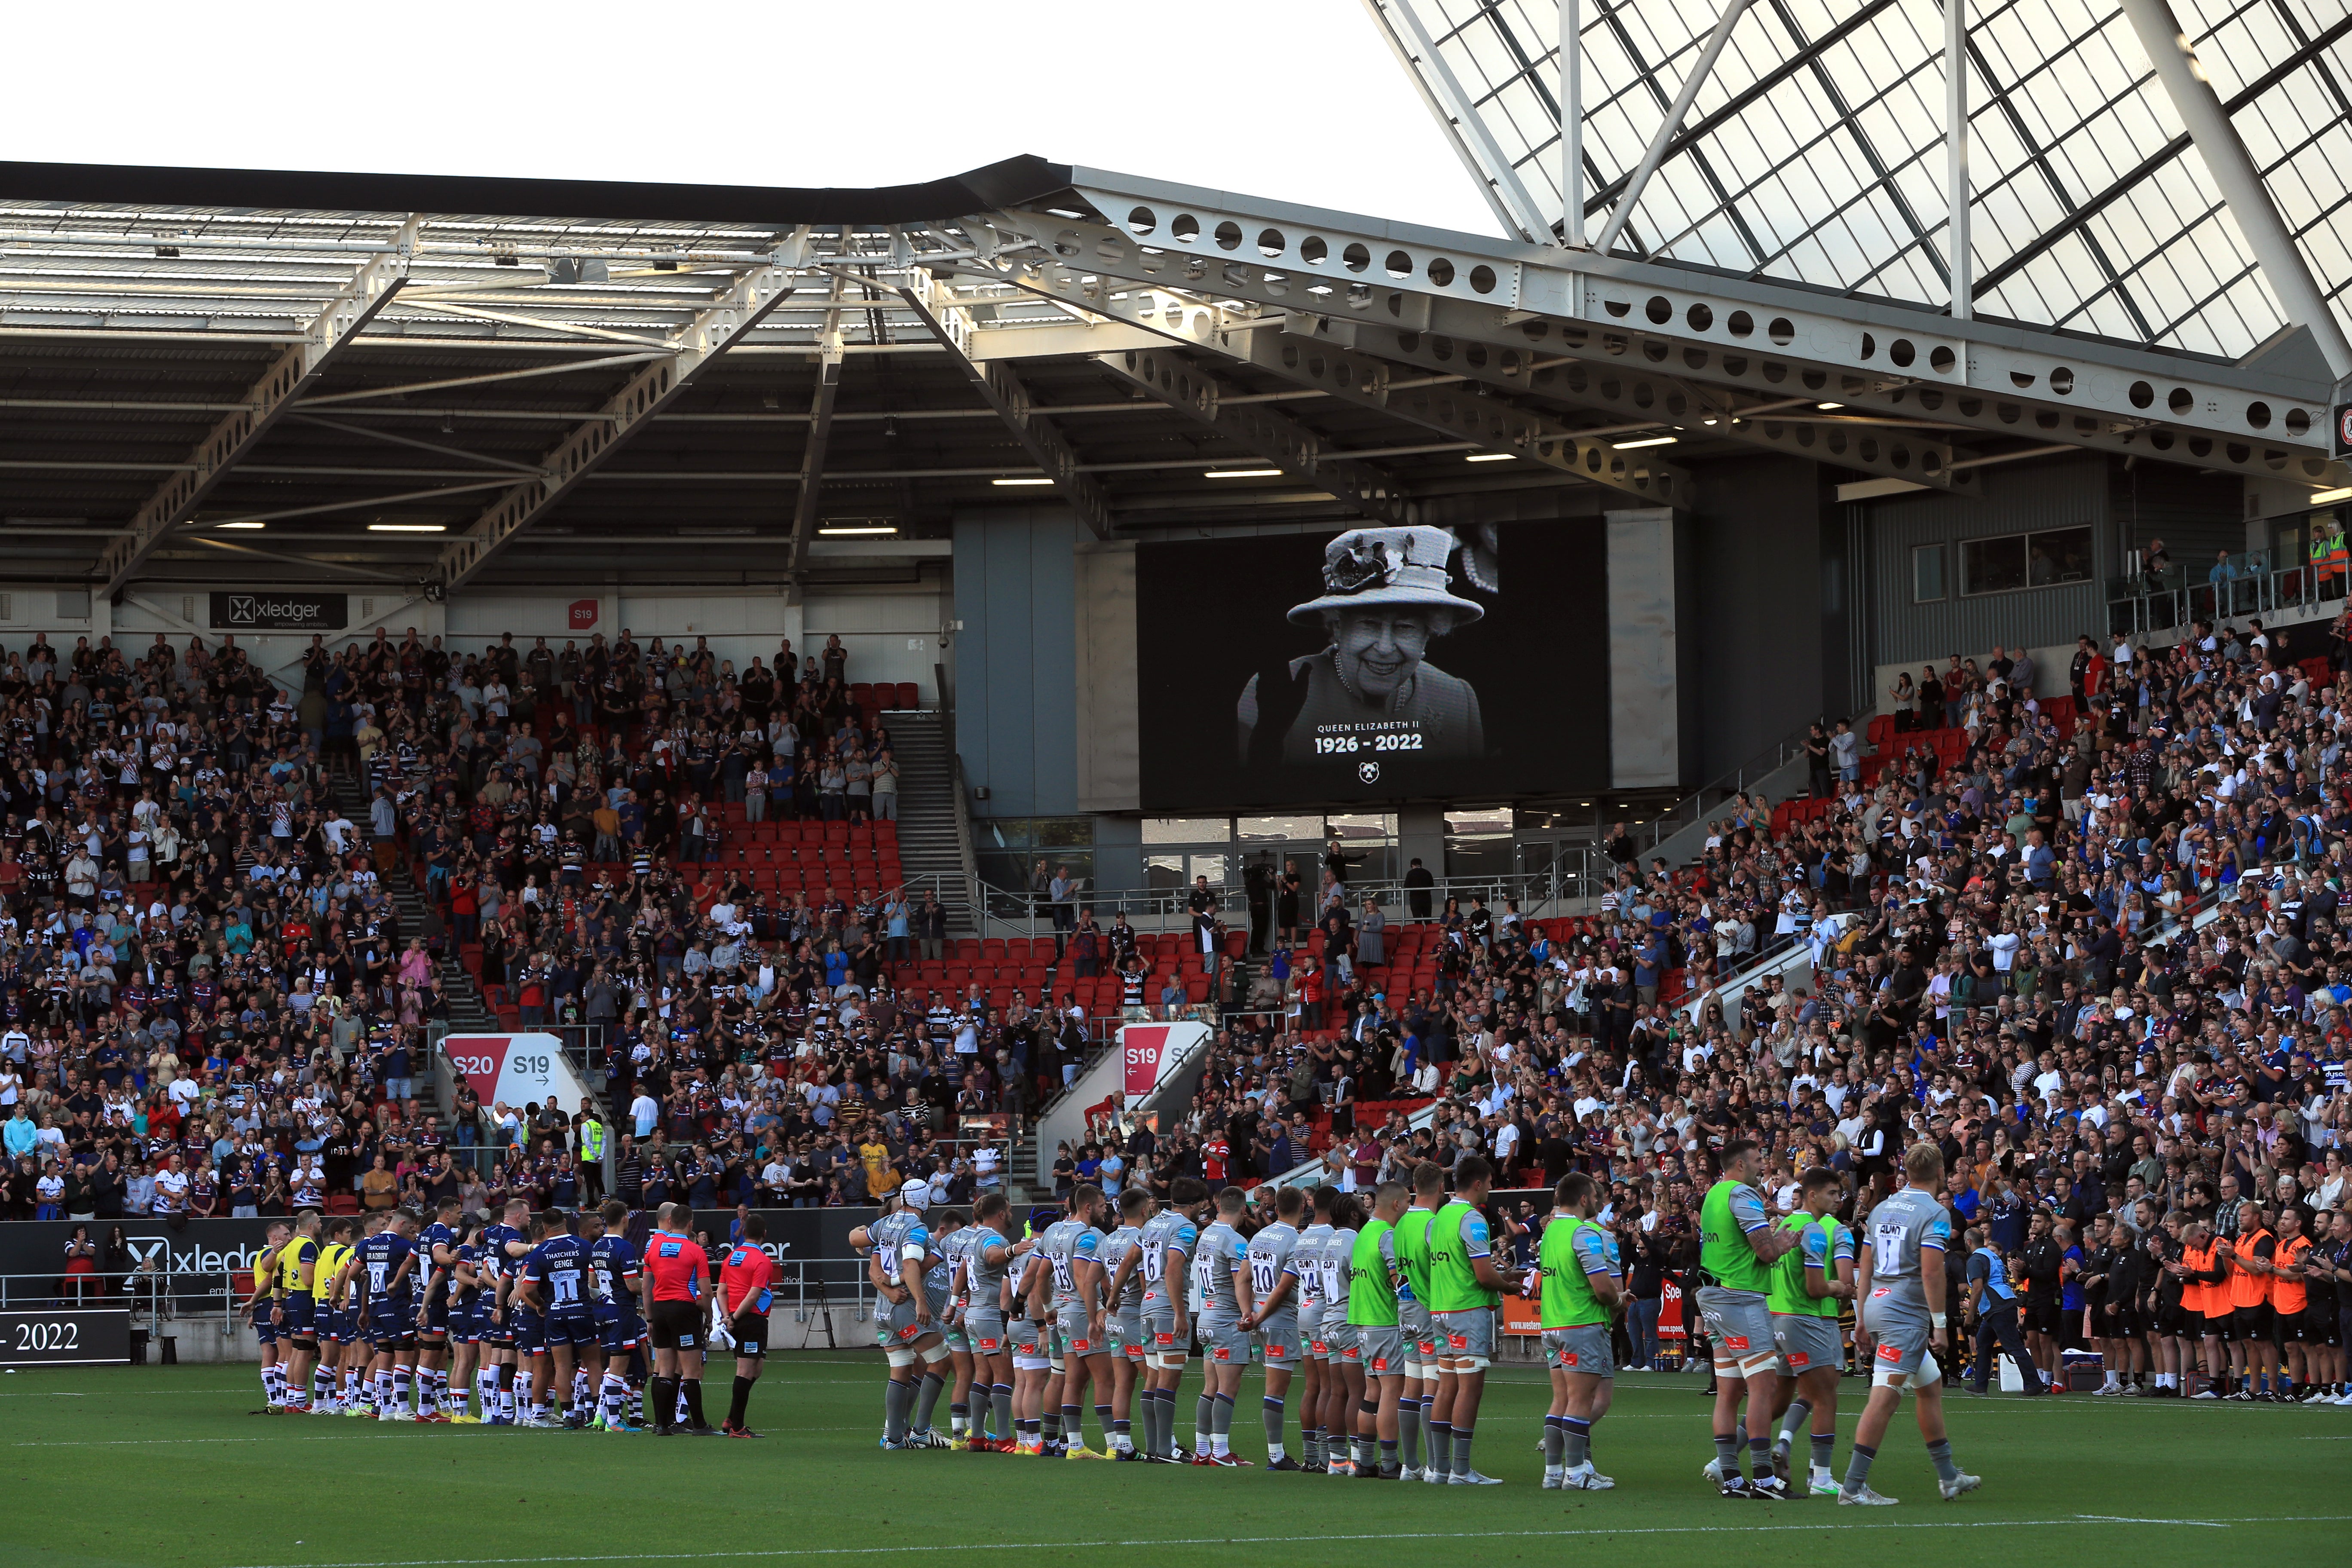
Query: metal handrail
[[1540, 895], [1692, 808], [2173, 602], [161, 1296]]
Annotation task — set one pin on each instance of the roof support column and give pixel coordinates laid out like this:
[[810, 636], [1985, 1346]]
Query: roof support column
[[2191, 92], [1956, 152], [1572, 123]]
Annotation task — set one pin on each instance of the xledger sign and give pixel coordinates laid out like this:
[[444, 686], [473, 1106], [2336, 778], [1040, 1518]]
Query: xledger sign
[[280, 612], [516, 1069]]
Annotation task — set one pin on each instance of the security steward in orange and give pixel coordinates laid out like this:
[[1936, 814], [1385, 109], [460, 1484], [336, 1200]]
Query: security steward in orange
[[2300, 1341], [2205, 1302], [2253, 1324]]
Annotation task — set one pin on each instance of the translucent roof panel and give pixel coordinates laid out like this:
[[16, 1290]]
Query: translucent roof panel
[[1815, 153]]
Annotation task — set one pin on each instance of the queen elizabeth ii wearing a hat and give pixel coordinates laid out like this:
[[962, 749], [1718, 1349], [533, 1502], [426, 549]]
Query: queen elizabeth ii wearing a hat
[[1369, 694]]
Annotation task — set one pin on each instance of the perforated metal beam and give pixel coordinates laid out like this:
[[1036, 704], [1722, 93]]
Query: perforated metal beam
[[1777, 377], [1632, 392], [1299, 258], [624, 413], [1002, 389], [1470, 414], [1518, 340], [176, 500], [1191, 388], [1252, 338]]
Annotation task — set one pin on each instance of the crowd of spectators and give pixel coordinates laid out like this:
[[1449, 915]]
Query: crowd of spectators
[[210, 1004], [2092, 946], [2095, 948]]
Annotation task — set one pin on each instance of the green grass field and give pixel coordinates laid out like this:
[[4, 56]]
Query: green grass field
[[163, 1466]]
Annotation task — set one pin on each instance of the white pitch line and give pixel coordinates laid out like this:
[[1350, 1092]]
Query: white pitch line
[[1295, 1540], [131, 1442]]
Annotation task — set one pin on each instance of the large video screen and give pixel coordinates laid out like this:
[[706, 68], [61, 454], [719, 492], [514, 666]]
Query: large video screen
[[1373, 664]]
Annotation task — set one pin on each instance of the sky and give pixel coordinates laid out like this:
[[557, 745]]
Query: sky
[[1293, 100]]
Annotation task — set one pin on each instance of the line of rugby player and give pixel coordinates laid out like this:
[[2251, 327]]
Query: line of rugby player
[[1385, 1314], [551, 1320]]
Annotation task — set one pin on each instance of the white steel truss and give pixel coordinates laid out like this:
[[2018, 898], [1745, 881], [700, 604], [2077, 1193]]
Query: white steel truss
[[629, 410], [1001, 387], [371, 287], [1656, 401], [820, 435], [1448, 404], [1301, 453], [1292, 258]]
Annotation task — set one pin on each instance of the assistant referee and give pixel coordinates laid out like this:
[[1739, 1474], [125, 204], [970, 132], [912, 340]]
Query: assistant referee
[[675, 1268], [746, 1280]]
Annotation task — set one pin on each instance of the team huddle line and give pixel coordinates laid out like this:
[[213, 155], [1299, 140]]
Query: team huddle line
[[552, 1321], [1388, 1315]]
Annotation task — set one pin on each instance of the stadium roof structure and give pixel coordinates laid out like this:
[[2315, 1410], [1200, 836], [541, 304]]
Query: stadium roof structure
[[1745, 243]]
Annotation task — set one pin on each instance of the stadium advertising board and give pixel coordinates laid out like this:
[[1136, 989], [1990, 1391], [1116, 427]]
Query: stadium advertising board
[[280, 612], [188, 1250], [66, 1336], [1373, 664]]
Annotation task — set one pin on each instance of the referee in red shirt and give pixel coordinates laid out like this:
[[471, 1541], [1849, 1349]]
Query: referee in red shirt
[[745, 1278], [675, 1268]]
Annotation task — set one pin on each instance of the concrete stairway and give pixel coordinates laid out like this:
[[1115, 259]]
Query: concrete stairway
[[468, 1013], [928, 841]]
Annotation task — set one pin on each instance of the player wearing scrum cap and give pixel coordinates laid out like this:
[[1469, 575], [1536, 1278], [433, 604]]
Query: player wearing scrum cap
[[898, 1253]]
